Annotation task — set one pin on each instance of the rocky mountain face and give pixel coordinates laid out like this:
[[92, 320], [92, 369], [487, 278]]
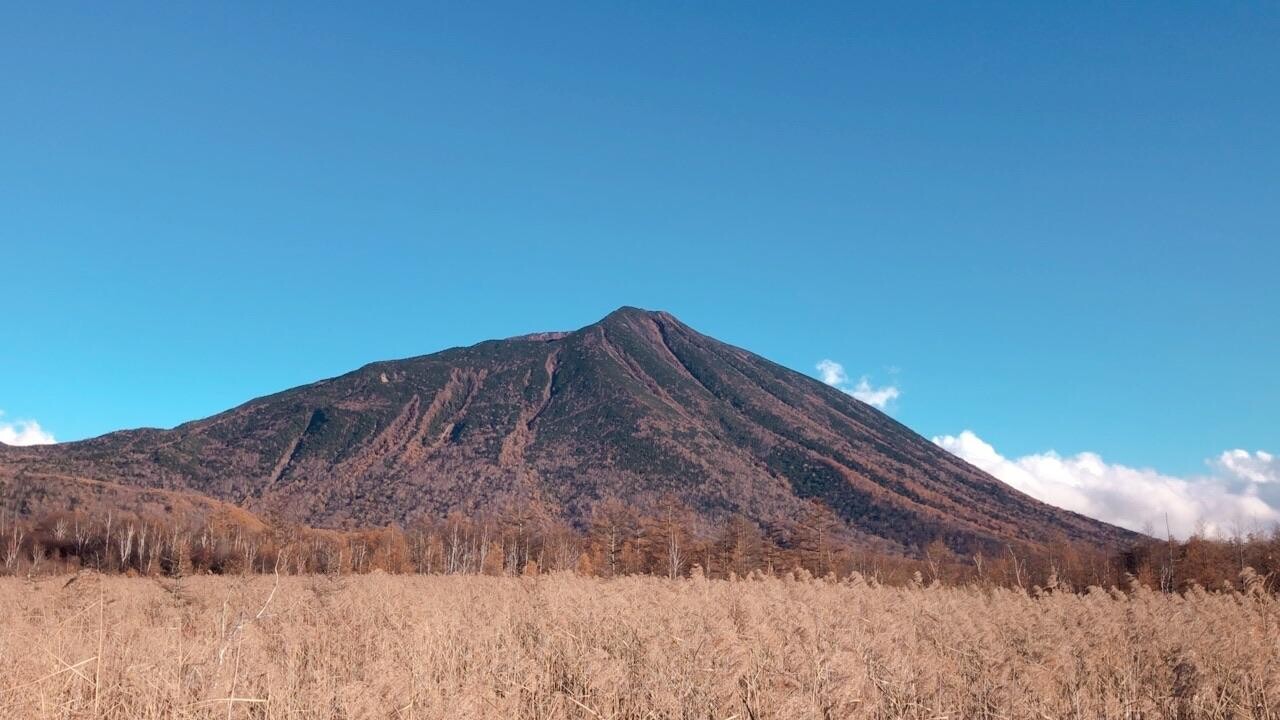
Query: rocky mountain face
[[637, 407]]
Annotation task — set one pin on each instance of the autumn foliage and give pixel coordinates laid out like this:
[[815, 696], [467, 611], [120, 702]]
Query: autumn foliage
[[668, 541]]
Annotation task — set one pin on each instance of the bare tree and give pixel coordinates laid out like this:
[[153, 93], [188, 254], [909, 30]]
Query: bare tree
[[675, 559], [359, 552], [249, 547], [143, 532], [81, 529], [126, 545], [38, 554], [1017, 566], [454, 550], [106, 542], [13, 546]]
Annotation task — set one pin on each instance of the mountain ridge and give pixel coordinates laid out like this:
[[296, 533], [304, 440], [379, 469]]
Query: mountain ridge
[[637, 406]]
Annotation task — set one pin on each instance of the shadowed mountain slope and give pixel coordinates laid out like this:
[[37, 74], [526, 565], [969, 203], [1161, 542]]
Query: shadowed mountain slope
[[638, 407]]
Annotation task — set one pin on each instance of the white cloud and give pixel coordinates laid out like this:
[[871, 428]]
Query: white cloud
[[877, 397], [833, 374], [24, 432], [1240, 494], [1260, 467]]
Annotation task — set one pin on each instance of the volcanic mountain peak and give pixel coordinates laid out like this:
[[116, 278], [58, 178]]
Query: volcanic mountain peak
[[637, 407]]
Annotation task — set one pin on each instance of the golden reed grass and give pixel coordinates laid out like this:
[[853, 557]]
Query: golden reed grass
[[563, 646]]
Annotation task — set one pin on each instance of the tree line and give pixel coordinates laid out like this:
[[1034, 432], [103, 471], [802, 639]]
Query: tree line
[[668, 540]]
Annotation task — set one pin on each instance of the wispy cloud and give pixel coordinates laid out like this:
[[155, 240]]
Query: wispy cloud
[[833, 374], [1260, 467], [1240, 492], [878, 397], [23, 432]]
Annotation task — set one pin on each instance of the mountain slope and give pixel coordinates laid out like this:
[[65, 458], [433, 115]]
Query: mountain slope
[[637, 406]]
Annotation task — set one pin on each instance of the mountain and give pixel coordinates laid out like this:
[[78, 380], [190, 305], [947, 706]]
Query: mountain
[[637, 407]]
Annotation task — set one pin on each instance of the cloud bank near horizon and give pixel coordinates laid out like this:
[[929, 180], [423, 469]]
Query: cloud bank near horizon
[[23, 432], [1239, 493], [833, 374]]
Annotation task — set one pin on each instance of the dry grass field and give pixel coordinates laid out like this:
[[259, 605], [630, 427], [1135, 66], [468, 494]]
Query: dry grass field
[[562, 646]]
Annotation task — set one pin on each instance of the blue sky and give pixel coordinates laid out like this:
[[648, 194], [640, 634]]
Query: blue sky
[[1056, 227]]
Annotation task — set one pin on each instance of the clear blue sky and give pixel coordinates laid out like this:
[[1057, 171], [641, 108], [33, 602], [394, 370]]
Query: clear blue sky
[[1059, 224]]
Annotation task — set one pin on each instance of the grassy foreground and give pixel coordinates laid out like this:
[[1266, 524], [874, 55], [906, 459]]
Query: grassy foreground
[[562, 646]]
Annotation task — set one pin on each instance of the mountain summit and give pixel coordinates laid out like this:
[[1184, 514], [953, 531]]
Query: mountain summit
[[637, 407]]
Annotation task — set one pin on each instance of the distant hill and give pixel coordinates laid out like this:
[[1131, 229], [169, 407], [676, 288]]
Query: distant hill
[[637, 407]]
